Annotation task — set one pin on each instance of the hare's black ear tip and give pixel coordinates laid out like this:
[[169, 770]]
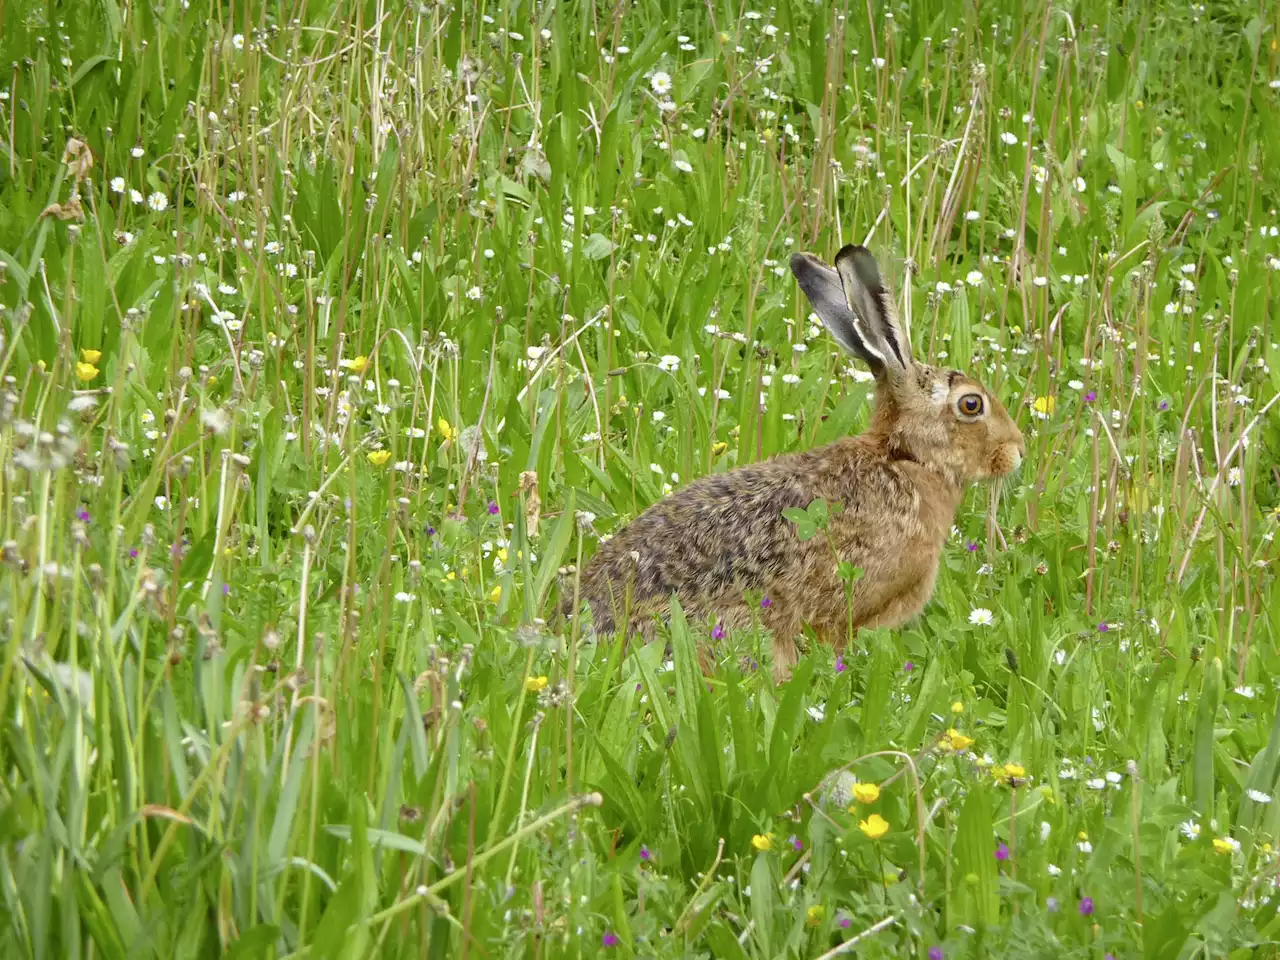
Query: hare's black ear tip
[[853, 250], [799, 261]]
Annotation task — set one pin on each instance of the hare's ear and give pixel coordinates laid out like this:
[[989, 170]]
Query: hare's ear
[[868, 299], [823, 287]]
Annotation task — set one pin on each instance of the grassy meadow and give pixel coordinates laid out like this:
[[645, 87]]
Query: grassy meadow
[[337, 336]]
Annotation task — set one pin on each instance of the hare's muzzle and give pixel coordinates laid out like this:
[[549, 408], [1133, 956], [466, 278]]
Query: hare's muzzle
[[1008, 456]]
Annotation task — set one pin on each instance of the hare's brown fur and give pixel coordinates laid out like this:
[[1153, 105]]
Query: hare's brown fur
[[898, 484]]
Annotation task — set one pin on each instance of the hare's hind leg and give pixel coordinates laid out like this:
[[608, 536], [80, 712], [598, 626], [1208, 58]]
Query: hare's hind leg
[[706, 660], [837, 636]]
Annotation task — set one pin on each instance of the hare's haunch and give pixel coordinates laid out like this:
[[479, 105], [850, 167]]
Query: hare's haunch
[[932, 432]]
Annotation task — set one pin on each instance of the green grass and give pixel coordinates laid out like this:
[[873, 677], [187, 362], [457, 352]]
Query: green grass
[[415, 302]]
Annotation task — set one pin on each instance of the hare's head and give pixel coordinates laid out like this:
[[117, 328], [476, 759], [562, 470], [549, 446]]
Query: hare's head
[[938, 417]]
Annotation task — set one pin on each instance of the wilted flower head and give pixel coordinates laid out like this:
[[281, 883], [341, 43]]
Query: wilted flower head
[[837, 789]]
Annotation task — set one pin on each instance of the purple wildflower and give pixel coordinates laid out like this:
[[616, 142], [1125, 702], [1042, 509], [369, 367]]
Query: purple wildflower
[[840, 663], [645, 853], [935, 953], [133, 554], [1086, 906], [908, 666], [226, 589], [1091, 396], [765, 603], [718, 632], [431, 531], [1002, 852], [846, 922], [1163, 406], [1103, 627], [493, 511], [83, 516], [795, 843], [610, 939], [971, 547]]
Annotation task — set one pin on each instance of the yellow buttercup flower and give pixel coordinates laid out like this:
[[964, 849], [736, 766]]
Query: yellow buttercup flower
[[875, 826], [718, 448], [534, 684], [815, 914], [90, 356], [866, 792], [958, 707], [1009, 773], [1044, 405], [448, 432], [85, 371], [496, 593], [1224, 845], [957, 741], [762, 841], [356, 364], [379, 457]]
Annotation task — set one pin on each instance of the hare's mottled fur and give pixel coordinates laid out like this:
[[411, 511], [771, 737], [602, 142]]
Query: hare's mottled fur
[[899, 484]]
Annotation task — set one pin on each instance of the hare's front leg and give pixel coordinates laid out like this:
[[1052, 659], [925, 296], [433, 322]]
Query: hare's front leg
[[785, 650], [785, 656]]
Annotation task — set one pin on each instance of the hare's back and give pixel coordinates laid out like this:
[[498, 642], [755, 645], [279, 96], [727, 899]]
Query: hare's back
[[723, 531]]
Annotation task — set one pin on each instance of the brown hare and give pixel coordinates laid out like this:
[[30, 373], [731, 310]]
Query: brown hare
[[933, 431]]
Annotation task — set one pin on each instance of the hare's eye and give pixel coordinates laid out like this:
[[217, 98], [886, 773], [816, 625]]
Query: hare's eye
[[971, 404]]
